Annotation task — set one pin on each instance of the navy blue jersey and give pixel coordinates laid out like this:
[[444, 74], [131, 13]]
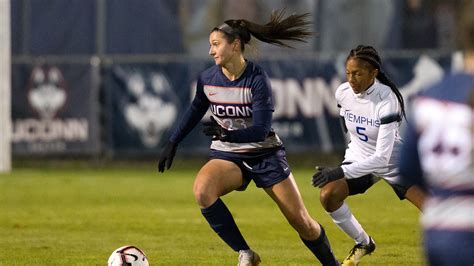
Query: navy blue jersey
[[438, 152], [235, 105]]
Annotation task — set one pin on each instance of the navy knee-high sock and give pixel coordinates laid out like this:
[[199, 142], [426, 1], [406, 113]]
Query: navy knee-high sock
[[221, 220], [321, 249]]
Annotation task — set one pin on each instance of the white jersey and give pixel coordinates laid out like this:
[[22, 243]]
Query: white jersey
[[372, 122]]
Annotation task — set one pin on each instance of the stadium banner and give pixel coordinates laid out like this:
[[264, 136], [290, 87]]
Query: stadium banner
[[145, 101], [55, 109], [142, 104]]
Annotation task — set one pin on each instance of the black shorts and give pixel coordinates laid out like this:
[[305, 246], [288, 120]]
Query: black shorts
[[361, 184], [264, 168]]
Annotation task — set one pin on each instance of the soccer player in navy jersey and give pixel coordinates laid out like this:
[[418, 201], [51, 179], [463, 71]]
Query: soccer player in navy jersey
[[438, 155], [371, 108], [244, 146]]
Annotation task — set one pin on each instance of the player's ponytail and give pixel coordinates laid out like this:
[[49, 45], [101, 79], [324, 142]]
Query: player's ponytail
[[370, 55], [278, 29]]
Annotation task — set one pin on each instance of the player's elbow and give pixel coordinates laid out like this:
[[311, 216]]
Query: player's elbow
[[261, 133], [381, 160], [260, 136]]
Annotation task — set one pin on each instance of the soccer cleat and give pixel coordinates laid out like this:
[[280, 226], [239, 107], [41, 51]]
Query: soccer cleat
[[358, 251], [248, 258]]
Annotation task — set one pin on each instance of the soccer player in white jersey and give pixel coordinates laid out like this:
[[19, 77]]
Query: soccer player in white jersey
[[244, 146], [439, 154], [371, 108]]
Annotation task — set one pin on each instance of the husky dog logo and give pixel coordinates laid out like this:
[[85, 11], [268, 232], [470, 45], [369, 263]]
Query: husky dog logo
[[154, 109], [47, 93]]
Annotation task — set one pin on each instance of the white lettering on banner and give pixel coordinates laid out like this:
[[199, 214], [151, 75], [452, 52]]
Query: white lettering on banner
[[30, 130], [57, 146], [310, 99]]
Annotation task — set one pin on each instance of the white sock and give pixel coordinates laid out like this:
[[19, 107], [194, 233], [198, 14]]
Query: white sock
[[344, 219]]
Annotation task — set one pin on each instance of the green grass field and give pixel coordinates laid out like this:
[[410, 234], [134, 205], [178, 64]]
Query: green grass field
[[78, 216]]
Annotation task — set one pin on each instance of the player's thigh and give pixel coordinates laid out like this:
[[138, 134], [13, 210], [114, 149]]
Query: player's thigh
[[416, 196], [287, 197], [218, 177]]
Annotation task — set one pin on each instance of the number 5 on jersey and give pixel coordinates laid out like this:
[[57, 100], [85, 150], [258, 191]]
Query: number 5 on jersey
[[360, 132]]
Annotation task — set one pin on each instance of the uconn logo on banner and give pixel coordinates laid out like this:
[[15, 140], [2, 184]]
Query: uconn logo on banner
[[47, 91], [47, 96], [152, 106]]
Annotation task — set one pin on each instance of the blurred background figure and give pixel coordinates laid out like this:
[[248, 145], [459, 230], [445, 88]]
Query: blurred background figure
[[419, 29], [438, 155], [445, 16], [342, 24], [422, 24]]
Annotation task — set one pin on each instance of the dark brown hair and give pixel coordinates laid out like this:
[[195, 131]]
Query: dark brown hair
[[370, 55], [278, 29]]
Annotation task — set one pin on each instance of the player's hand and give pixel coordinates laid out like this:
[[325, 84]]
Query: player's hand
[[325, 175], [166, 156], [212, 128]]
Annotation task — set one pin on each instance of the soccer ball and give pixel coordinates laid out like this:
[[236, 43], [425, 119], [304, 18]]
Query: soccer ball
[[127, 256]]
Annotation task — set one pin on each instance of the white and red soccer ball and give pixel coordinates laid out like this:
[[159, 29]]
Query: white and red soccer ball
[[128, 256]]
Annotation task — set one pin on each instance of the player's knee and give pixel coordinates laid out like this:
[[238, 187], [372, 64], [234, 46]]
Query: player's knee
[[204, 197], [204, 200], [329, 198], [303, 224], [295, 221]]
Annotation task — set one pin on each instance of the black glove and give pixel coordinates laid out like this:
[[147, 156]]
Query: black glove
[[166, 156], [326, 175], [213, 129]]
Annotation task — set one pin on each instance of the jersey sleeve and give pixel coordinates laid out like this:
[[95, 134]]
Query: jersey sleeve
[[193, 114], [389, 110], [262, 120], [339, 95], [384, 145], [262, 98], [380, 158]]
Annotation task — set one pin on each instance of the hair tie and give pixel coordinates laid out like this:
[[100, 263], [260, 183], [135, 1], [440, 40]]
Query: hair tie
[[236, 28], [226, 28], [369, 60]]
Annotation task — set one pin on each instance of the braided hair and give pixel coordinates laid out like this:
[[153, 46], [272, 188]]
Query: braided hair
[[278, 29], [370, 55]]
